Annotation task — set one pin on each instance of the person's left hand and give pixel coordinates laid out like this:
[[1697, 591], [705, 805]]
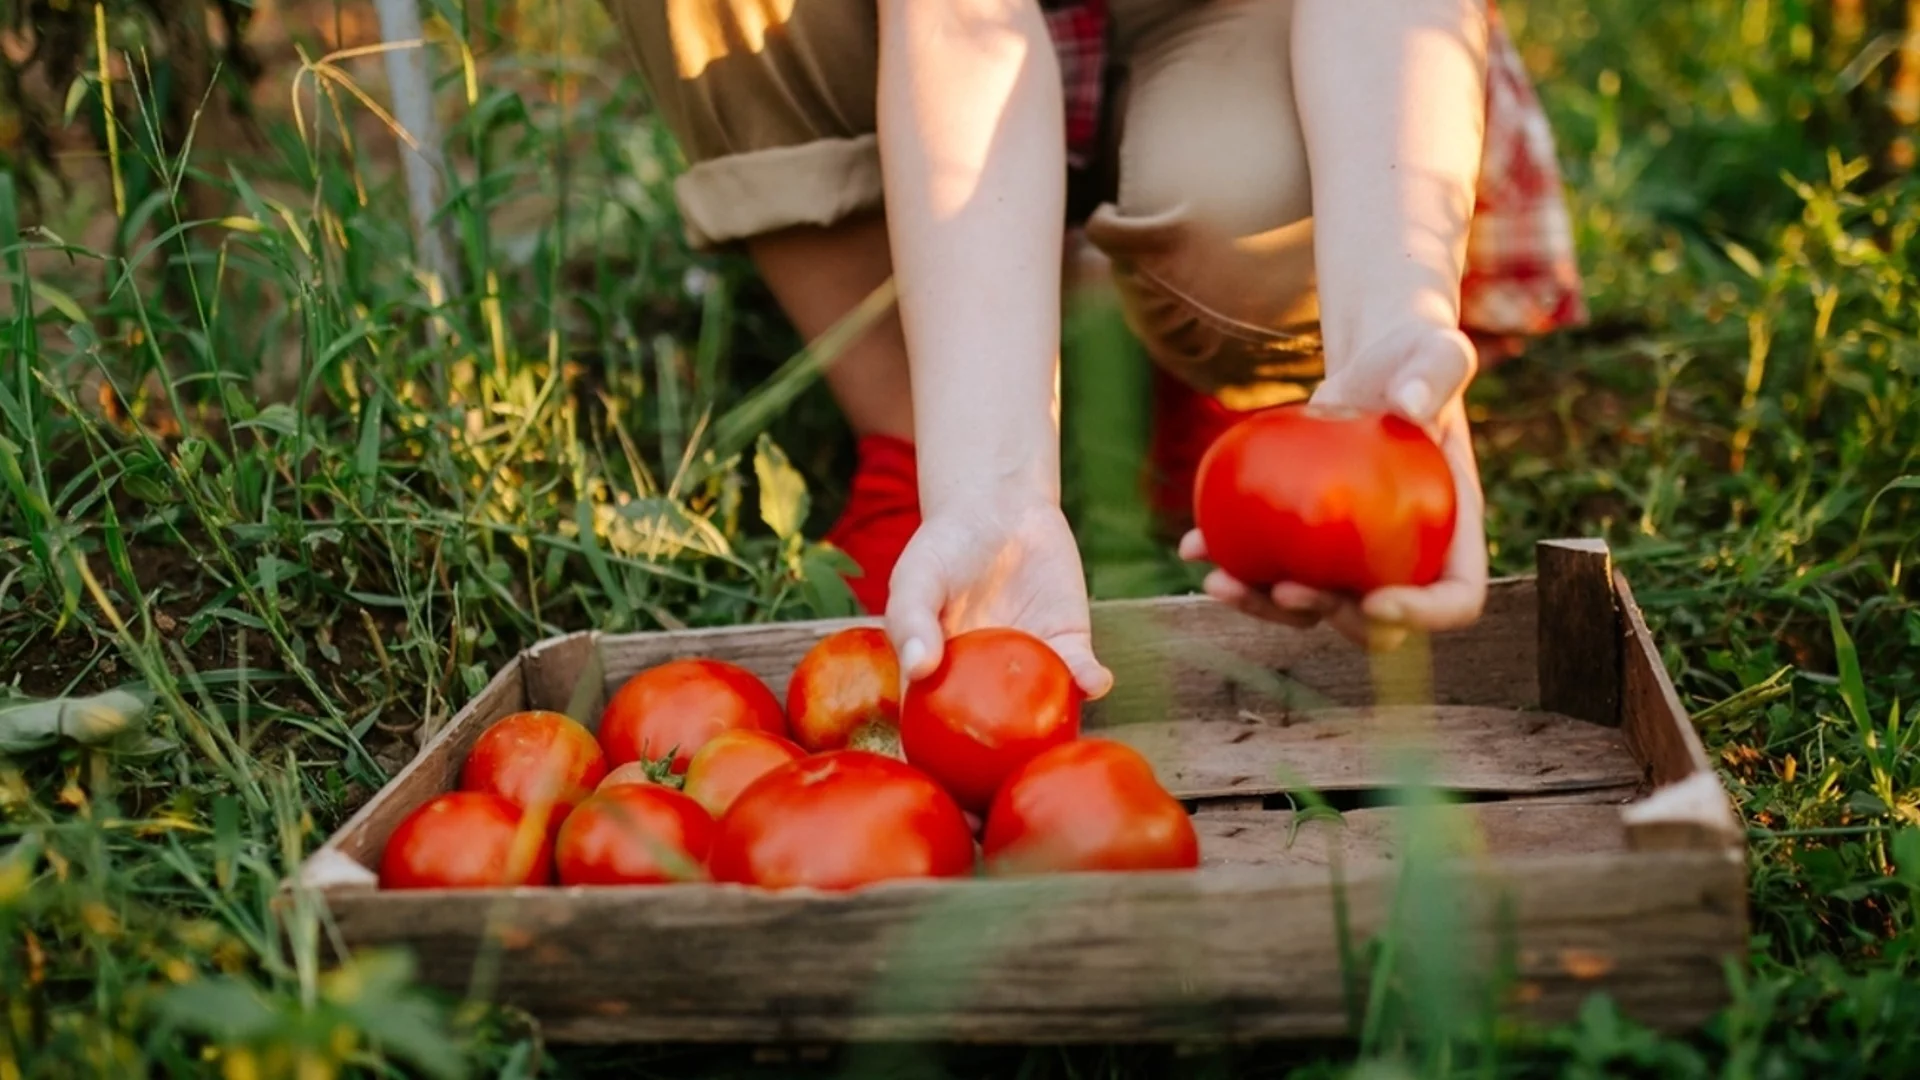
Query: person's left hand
[[1422, 376]]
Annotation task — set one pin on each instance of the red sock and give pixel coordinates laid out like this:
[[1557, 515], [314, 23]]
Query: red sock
[[1185, 423], [881, 515]]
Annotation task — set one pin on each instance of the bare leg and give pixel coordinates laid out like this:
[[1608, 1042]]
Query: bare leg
[[820, 274]]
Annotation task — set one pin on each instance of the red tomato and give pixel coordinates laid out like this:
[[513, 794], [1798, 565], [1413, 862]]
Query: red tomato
[[675, 708], [846, 691], [838, 821], [634, 834], [1332, 499], [466, 840], [634, 772], [1092, 804], [541, 761], [999, 697], [730, 761]]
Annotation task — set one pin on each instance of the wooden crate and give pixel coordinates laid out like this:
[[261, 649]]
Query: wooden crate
[[1607, 858]]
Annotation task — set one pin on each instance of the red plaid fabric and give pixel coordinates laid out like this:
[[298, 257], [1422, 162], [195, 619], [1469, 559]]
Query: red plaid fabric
[[1079, 29], [1522, 275]]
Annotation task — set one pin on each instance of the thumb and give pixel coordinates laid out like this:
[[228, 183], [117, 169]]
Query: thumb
[[913, 619], [1089, 673], [1433, 374]]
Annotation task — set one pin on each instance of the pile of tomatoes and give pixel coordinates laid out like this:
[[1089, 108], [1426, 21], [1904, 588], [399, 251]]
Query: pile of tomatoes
[[698, 772]]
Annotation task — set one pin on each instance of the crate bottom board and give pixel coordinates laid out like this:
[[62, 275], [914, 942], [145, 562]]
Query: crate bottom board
[[1244, 949]]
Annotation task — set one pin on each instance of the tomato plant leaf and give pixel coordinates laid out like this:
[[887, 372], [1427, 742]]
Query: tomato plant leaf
[[1853, 685], [1906, 857], [822, 583], [783, 491]]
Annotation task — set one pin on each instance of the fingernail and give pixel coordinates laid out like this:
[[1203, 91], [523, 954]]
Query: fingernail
[[1413, 398], [912, 656], [1389, 612]]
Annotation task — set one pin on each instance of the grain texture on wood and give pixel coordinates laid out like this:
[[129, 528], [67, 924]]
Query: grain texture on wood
[[1215, 955], [1661, 736], [1274, 838], [1580, 631], [565, 675], [1457, 747], [434, 770], [1657, 726], [1176, 657]]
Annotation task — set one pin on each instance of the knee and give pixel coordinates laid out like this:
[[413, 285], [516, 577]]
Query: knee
[[1210, 125]]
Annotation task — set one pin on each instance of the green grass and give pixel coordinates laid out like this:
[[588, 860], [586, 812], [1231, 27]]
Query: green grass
[[608, 431]]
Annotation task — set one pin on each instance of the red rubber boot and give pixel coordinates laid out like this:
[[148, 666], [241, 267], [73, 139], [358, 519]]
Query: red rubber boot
[[1185, 424], [881, 515]]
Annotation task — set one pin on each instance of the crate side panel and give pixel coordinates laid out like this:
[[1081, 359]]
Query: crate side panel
[[1580, 631], [567, 675], [1184, 656], [1463, 747], [1074, 958], [1242, 839], [1691, 806], [434, 770], [1194, 658]]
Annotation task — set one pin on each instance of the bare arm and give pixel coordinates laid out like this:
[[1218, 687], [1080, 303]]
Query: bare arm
[[1392, 105], [973, 160], [1392, 97]]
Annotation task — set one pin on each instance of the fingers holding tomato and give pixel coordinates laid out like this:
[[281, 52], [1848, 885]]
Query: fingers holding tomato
[[1314, 513], [999, 697], [1458, 597]]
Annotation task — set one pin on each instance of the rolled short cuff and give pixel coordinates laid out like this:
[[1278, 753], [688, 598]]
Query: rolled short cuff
[[730, 199]]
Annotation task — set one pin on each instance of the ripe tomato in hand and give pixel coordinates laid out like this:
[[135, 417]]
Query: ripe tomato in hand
[[846, 691], [730, 761], [1336, 500], [543, 762], [466, 840], [840, 820], [999, 697], [1093, 804], [673, 709], [634, 834]]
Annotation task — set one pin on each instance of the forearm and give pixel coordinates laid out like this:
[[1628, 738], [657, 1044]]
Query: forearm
[[1392, 105], [973, 167]]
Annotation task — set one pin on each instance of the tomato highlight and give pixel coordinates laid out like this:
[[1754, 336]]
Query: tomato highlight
[[675, 708], [1088, 805], [999, 697], [839, 821], [1342, 501], [467, 840], [846, 692]]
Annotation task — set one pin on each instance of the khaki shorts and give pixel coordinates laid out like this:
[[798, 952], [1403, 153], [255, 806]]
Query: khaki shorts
[[1208, 227]]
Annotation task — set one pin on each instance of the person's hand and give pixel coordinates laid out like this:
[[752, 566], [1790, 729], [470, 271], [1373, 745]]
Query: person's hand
[[985, 563], [1422, 375]]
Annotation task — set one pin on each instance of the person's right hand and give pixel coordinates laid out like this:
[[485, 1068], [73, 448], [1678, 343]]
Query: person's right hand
[[993, 562]]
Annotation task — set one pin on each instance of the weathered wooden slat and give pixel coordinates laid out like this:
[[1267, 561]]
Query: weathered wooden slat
[[1692, 808], [1219, 954], [1580, 631], [434, 770], [1272, 838], [565, 675], [1185, 656], [1459, 748]]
